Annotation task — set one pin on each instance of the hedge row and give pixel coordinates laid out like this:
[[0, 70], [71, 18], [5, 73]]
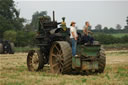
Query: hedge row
[[109, 39], [20, 38], [23, 38]]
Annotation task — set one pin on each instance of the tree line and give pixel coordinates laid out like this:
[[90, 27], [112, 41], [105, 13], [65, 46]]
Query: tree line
[[117, 29]]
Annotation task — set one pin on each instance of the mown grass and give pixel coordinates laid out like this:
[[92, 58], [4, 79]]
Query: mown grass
[[15, 83], [117, 76], [14, 72]]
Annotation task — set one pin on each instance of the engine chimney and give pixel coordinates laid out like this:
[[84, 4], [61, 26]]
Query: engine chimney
[[53, 16]]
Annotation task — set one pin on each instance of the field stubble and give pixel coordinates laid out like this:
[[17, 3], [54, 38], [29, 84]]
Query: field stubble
[[13, 71]]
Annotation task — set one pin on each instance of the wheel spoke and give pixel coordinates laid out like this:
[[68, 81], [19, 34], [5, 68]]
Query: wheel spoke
[[61, 63], [55, 65], [56, 56], [56, 48], [35, 61], [58, 70], [53, 54], [30, 57], [35, 57], [60, 52], [30, 61], [61, 57]]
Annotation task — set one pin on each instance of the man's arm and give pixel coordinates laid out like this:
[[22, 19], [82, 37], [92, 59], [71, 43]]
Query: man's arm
[[74, 36], [90, 31]]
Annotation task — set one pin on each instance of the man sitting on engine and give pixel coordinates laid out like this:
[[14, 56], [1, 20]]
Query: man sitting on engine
[[87, 38]]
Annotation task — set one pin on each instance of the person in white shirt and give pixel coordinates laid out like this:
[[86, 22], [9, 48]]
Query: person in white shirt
[[74, 37]]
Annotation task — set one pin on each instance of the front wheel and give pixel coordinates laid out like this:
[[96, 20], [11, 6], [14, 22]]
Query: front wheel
[[35, 60]]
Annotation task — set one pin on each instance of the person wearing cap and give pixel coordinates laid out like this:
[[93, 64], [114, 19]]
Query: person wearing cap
[[87, 32], [73, 36]]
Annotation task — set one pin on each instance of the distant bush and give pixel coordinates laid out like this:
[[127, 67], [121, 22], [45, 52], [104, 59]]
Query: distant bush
[[124, 39], [10, 35], [109, 39], [25, 38]]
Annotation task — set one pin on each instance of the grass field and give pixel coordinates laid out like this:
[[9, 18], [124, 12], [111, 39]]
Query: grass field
[[13, 71]]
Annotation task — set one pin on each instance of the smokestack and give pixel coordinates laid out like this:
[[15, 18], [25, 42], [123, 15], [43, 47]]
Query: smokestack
[[53, 16]]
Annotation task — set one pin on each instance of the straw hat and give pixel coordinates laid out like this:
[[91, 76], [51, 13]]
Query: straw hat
[[72, 23]]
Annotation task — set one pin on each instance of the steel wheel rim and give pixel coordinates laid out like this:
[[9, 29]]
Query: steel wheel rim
[[34, 61], [56, 59]]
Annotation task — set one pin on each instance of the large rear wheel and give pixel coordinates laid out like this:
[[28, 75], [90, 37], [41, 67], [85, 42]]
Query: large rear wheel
[[60, 57], [1, 48], [35, 60]]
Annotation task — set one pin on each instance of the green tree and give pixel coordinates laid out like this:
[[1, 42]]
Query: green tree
[[25, 38], [4, 25], [127, 20], [118, 27], [28, 28], [9, 17], [8, 10], [126, 27], [98, 28], [35, 18], [21, 39], [111, 30], [105, 30], [10, 35]]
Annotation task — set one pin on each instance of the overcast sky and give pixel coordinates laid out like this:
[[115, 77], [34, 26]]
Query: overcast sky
[[107, 13]]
